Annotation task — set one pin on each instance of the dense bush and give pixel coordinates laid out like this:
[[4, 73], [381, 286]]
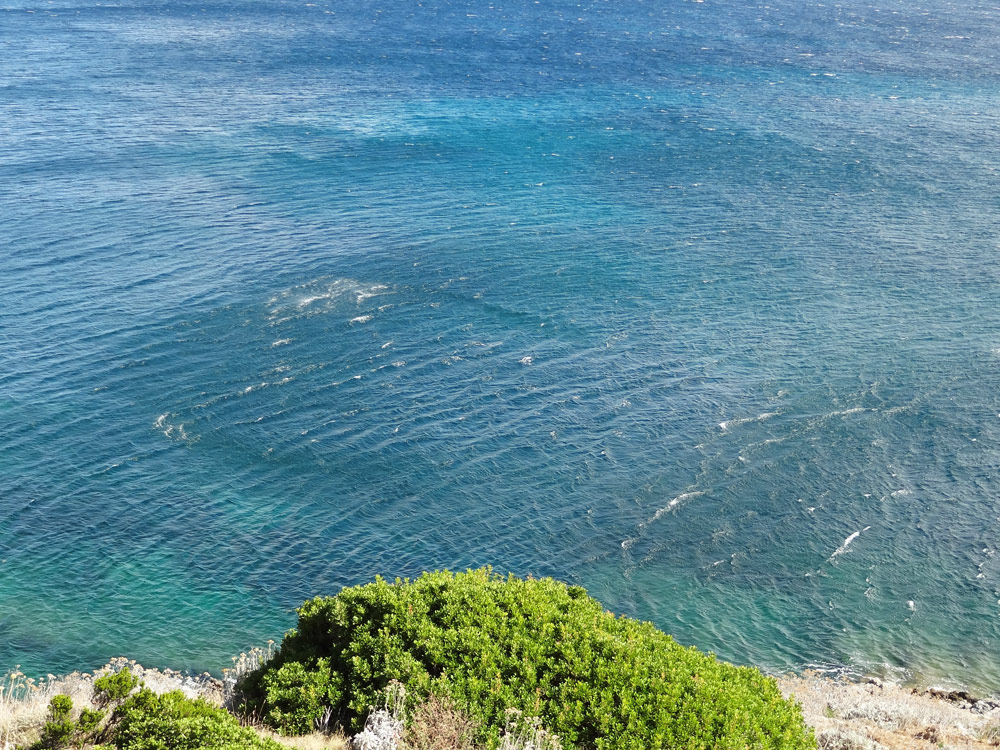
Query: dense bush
[[147, 721], [546, 649]]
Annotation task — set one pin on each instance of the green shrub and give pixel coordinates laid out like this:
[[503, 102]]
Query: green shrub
[[60, 728], [147, 721], [89, 720], [114, 687], [541, 647], [60, 707]]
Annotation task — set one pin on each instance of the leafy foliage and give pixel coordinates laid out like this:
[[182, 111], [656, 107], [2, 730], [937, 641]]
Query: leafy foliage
[[114, 687], [60, 728], [492, 644], [89, 720], [147, 721]]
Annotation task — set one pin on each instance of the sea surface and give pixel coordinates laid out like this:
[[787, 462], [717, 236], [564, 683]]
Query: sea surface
[[696, 304]]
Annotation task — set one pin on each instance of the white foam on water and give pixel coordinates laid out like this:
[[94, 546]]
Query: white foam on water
[[525, 360], [319, 296], [172, 431], [361, 319], [674, 502], [730, 423], [371, 291], [847, 543], [280, 342]]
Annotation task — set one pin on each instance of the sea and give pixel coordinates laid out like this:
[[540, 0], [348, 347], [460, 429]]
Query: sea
[[694, 303]]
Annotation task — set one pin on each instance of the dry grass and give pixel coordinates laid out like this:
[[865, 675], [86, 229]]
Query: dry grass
[[868, 716], [315, 741], [438, 724], [24, 703], [244, 664]]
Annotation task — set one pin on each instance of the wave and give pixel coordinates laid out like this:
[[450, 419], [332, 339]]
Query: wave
[[660, 512], [846, 543], [171, 430], [730, 423], [320, 296]]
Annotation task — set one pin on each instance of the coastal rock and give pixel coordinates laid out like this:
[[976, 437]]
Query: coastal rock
[[965, 700]]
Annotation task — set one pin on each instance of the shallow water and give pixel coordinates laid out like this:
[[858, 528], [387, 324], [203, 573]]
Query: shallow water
[[692, 303]]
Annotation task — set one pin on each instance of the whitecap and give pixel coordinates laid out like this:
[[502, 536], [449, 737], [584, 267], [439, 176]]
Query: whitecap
[[361, 319], [280, 342], [672, 504], [318, 296], [743, 420], [306, 301], [364, 294], [172, 431], [847, 542]]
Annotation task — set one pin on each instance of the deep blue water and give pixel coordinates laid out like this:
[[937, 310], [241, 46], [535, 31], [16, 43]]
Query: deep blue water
[[696, 304]]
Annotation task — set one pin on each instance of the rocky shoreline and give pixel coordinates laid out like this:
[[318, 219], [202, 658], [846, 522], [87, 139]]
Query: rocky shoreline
[[874, 715]]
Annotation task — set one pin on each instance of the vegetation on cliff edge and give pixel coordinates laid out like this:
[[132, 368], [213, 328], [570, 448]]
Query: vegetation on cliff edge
[[493, 644]]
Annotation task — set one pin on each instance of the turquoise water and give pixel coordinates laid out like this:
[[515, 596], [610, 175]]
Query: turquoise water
[[692, 303]]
